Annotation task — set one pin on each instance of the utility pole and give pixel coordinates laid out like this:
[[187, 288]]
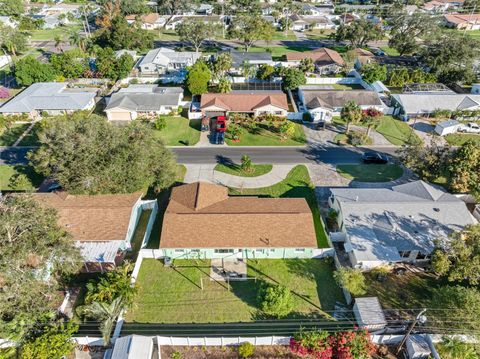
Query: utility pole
[[419, 318]]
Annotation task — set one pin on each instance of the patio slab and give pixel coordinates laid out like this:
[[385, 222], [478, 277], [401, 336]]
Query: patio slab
[[222, 268]]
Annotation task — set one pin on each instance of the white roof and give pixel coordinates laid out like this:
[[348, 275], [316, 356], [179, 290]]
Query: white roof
[[379, 86], [133, 347], [429, 102], [163, 56], [369, 312], [99, 251], [449, 123]]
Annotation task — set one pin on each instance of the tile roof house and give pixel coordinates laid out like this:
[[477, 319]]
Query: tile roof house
[[163, 60], [203, 221], [324, 104], [462, 21], [102, 226], [254, 103], [52, 97], [382, 226], [441, 6], [326, 61], [143, 101], [149, 21]]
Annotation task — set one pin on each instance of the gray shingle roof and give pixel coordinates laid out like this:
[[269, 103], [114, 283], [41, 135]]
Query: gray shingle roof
[[239, 57], [145, 98], [427, 103], [48, 96], [338, 98], [163, 56]]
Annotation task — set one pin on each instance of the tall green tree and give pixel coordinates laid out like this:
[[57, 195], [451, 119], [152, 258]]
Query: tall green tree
[[374, 72], [359, 33], [34, 247], [112, 67], [464, 169], [351, 113], [248, 29], [88, 154], [265, 72], [12, 40], [11, 7], [70, 64], [292, 77], [221, 64], [195, 32], [198, 77], [224, 85], [28, 70]]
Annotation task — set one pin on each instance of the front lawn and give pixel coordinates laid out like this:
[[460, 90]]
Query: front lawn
[[7, 172], [278, 52], [370, 172], [236, 170], [50, 34], [9, 135], [262, 136], [168, 295], [296, 185], [180, 131], [397, 132], [280, 35], [459, 139]]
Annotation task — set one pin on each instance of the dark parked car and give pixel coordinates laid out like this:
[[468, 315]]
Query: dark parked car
[[374, 157]]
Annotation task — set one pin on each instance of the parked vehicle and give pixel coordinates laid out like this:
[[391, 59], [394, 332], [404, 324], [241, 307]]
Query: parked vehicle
[[470, 128], [218, 129], [374, 157]]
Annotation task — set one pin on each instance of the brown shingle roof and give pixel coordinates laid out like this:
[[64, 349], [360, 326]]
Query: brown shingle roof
[[202, 215], [146, 19], [462, 18], [92, 218], [244, 101], [321, 56]]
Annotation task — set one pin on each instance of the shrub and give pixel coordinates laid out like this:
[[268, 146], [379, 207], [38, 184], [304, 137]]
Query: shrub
[[235, 131], [314, 343], [134, 81], [4, 93], [177, 355], [372, 112], [351, 279], [246, 165], [275, 300], [245, 350], [160, 123], [353, 344], [356, 138]]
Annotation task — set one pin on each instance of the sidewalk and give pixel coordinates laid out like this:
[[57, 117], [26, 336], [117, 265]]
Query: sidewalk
[[208, 174]]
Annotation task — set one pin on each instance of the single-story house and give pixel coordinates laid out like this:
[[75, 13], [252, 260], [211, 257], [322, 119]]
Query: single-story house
[[320, 22], [447, 127], [120, 53], [148, 21], [203, 221], [462, 21], [204, 9], [52, 97], [143, 101], [326, 61], [102, 226], [441, 6], [178, 19], [383, 226], [297, 23], [324, 104], [163, 60], [254, 103], [252, 58], [410, 105], [362, 57], [309, 9], [134, 347]]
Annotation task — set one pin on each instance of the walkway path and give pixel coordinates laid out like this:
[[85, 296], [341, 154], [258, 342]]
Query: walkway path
[[205, 141], [25, 133], [207, 173]]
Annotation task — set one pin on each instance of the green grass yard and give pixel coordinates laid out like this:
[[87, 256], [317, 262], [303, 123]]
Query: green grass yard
[[397, 132], [180, 131], [370, 172], [168, 295], [236, 170], [296, 185], [458, 139], [50, 34], [8, 171], [389, 51], [263, 137], [280, 35]]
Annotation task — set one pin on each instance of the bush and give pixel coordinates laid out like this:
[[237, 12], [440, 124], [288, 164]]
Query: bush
[[160, 123], [177, 355], [275, 300], [351, 279], [4, 93], [246, 165], [356, 138], [246, 350], [134, 81]]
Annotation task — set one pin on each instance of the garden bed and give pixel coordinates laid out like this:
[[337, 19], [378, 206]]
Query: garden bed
[[236, 170], [225, 352]]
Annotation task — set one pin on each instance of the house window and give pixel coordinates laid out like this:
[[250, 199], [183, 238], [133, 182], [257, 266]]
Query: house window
[[259, 251], [224, 251], [195, 250], [299, 250], [179, 250], [404, 254], [272, 250]]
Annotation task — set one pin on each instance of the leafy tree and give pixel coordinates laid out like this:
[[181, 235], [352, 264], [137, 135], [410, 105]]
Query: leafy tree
[[112, 67], [306, 65], [70, 64], [247, 6], [221, 64], [195, 32], [359, 32], [287, 129], [76, 39], [55, 342], [11, 7], [248, 29], [198, 77], [292, 78], [28, 70], [224, 85], [275, 300], [351, 279], [12, 40], [87, 154], [458, 257], [374, 72], [406, 29], [172, 7], [351, 113], [464, 169], [33, 247], [265, 72]]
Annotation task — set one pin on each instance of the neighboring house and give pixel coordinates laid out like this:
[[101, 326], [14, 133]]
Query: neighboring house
[[134, 347], [319, 22], [120, 53], [204, 9], [362, 57], [447, 127], [253, 103], [178, 19], [7, 21], [143, 101], [162, 60], [309, 9], [324, 104], [239, 58], [410, 105], [148, 22], [102, 226], [326, 61], [297, 23], [203, 221], [52, 97], [441, 6], [384, 226], [462, 21]]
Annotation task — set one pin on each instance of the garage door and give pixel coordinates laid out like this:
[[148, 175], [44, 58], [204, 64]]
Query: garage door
[[213, 114], [121, 116]]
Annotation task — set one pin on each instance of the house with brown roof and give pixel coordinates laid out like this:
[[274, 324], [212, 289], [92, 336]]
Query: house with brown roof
[[326, 61], [150, 21], [102, 226], [252, 103], [462, 21], [203, 221]]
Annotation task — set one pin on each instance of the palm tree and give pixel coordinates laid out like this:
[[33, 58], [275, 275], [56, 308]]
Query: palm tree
[[77, 40], [59, 41], [106, 313], [370, 122], [351, 113]]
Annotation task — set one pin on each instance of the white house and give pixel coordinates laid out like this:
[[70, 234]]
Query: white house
[[447, 127], [162, 60]]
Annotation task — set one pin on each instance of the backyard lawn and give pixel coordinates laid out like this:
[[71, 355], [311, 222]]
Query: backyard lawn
[[370, 172], [10, 135], [397, 132], [180, 131], [236, 170], [8, 171], [264, 137], [296, 185], [458, 139], [50, 34], [174, 295]]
